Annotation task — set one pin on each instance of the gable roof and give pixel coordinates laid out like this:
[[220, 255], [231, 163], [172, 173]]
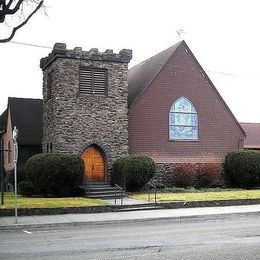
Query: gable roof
[[141, 76], [252, 135], [26, 115]]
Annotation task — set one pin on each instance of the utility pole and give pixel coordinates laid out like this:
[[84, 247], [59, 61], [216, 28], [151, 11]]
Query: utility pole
[[2, 172], [15, 136]]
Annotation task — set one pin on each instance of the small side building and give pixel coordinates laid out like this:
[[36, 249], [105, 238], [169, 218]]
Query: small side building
[[26, 115], [252, 141]]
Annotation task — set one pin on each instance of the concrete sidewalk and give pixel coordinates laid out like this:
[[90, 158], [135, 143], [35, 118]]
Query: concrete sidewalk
[[111, 217]]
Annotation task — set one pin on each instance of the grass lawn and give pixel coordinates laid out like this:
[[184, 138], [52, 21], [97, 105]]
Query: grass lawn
[[195, 195], [26, 202]]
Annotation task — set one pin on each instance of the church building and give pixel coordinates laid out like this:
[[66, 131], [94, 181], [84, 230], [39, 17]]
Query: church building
[[166, 108]]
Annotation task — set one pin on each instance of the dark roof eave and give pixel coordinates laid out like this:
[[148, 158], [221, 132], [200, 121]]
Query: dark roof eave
[[148, 83]]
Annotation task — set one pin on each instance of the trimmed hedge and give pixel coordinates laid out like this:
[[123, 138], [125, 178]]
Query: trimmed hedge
[[133, 172], [183, 175], [208, 175], [242, 168], [25, 188], [55, 175], [196, 175]]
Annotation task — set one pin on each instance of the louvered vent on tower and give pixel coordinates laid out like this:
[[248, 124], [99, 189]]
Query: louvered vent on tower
[[93, 81]]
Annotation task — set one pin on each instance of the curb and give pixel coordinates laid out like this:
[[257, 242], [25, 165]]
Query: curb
[[102, 222], [116, 208]]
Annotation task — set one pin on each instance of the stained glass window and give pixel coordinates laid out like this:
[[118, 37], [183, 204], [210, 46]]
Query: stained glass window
[[183, 120]]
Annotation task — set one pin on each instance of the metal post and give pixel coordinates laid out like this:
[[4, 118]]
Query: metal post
[[155, 199], [15, 135], [15, 185], [115, 195], [121, 197]]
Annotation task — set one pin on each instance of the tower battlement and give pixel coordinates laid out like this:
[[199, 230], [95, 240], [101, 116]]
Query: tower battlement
[[60, 51]]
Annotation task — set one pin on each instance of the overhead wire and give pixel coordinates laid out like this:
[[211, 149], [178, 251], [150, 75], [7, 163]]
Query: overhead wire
[[133, 60], [31, 44]]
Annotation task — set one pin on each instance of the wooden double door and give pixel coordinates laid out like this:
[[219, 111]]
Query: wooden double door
[[94, 164]]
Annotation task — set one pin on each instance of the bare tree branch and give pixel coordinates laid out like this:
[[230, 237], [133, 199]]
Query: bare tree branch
[[6, 10], [2, 8], [23, 23], [15, 9], [9, 3]]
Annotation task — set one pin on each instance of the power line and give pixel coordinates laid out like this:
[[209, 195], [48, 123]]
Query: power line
[[31, 45], [232, 74], [208, 71]]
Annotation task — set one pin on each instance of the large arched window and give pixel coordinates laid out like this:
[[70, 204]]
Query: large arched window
[[183, 120]]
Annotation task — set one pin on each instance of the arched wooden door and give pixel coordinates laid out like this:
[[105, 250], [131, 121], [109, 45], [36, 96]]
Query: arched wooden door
[[94, 164]]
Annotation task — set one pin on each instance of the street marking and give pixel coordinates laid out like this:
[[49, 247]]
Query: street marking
[[27, 232]]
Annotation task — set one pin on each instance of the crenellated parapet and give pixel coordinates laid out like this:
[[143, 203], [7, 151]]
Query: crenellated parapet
[[60, 51]]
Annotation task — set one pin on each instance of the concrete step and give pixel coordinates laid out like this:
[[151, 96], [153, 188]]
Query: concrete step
[[112, 192], [101, 190], [99, 186], [96, 183], [103, 196], [90, 188], [139, 207]]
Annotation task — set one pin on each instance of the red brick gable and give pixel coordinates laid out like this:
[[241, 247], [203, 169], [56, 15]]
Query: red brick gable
[[182, 76]]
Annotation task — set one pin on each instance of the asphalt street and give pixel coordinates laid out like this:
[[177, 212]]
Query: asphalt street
[[205, 237]]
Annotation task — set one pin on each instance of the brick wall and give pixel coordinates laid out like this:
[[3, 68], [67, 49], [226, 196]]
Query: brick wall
[[8, 137], [219, 132]]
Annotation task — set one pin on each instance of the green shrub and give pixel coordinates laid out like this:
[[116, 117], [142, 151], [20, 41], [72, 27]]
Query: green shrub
[[55, 175], [25, 188], [208, 175], [133, 172], [117, 177], [242, 168]]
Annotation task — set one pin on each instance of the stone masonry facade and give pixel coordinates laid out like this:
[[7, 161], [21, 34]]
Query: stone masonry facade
[[71, 121], [164, 176]]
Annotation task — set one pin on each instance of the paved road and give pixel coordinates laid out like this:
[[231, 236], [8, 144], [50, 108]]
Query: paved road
[[223, 237]]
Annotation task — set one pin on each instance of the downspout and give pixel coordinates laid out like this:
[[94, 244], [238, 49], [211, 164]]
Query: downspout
[[239, 141]]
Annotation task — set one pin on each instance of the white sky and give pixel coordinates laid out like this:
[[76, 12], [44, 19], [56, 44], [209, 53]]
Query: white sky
[[223, 35]]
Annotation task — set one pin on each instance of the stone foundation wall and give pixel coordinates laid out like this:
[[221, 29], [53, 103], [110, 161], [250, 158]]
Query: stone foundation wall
[[164, 177]]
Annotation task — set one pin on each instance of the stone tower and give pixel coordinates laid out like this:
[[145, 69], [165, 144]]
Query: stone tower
[[85, 106]]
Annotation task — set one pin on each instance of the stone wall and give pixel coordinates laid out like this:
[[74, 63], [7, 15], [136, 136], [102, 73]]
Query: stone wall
[[72, 122], [163, 176], [164, 173]]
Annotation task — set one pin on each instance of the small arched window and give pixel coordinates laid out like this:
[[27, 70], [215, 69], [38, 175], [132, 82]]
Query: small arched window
[[183, 120]]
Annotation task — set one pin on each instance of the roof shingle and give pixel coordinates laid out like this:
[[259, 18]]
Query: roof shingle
[[141, 75], [26, 115], [252, 130]]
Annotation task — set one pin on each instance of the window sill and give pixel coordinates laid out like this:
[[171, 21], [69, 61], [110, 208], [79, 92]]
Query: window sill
[[183, 140]]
